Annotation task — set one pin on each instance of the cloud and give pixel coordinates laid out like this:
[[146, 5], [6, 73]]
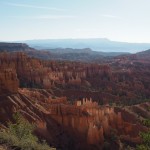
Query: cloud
[[54, 17], [45, 17], [87, 30], [109, 16], [34, 6]]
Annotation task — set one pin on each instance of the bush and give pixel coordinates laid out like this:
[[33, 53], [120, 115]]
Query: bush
[[145, 141], [20, 134], [146, 122]]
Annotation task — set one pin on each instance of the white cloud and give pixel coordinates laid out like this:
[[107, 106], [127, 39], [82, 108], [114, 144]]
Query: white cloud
[[34, 6], [87, 30], [110, 16], [54, 17], [46, 17]]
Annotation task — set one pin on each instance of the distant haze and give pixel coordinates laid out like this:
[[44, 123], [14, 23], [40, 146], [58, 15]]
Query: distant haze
[[96, 44]]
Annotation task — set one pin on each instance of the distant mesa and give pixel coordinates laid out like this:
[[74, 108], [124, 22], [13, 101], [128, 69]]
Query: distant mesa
[[14, 47], [96, 44], [144, 54], [71, 54]]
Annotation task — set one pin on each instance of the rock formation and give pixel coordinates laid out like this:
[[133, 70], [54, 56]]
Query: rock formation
[[85, 123], [115, 82], [80, 122], [9, 82], [14, 47]]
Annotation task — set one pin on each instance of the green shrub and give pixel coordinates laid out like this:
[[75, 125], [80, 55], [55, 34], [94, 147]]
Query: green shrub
[[145, 141], [142, 147], [20, 134], [146, 122]]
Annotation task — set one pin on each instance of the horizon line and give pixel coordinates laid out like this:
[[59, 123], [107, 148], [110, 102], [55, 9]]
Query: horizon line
[[88, 38]]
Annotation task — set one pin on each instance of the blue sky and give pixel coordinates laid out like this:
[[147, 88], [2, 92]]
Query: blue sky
[[119, 20]]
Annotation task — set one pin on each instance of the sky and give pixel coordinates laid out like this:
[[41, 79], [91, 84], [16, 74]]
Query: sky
[[117, 20]]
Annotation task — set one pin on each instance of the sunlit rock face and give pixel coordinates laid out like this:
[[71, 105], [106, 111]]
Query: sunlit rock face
[[82, 124], [108, 82], [46, 74], [91, 124], [9, 82]]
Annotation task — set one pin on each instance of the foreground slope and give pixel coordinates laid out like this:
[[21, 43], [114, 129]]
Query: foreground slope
[[84, 125]]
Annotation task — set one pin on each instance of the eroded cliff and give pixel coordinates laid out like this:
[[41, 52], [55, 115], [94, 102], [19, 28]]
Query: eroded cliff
[[65, 124], [120, 82]]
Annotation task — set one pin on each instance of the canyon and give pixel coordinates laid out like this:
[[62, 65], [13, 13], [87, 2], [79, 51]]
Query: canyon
[[84, 125], [77, 105], [121, 80]]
